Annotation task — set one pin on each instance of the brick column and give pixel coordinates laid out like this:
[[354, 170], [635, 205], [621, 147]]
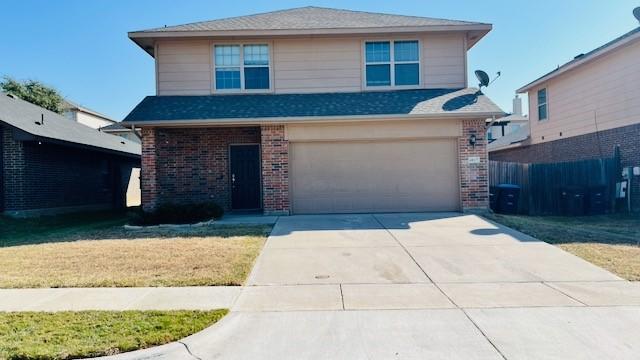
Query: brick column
[[148, 173], [275, 170], [474, 163], [14, 164]]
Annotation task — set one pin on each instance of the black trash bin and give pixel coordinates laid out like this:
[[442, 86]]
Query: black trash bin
[[573, 200], [493, 198], [507, 202], [597, 200]]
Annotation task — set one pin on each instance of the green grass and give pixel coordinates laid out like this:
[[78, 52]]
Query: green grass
[[56, 228], [72, 335], [609, 241]]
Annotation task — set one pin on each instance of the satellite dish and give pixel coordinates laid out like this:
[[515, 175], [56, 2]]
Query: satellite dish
[[483, 78], [636, 13]]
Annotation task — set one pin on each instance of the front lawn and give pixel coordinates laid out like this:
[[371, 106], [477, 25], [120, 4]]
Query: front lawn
[[96, 255], [609, 241], [56, 228], [72, 335]]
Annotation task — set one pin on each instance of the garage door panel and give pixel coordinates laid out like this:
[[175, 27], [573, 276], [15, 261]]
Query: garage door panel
[[378, 176]]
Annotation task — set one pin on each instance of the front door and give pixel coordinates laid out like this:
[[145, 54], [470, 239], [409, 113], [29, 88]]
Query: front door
[[245, 177]]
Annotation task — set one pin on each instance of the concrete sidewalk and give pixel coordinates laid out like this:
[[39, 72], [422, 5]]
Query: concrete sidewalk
[[158, 298]]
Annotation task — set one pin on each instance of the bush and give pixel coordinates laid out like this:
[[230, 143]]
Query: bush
[[170, 213]]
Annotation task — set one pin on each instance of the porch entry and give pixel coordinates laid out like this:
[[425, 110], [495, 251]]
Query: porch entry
[[245, 176]]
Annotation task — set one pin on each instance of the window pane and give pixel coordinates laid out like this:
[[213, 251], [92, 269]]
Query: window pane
[[542, 112], [256, 55], [256, 78], [227, 55], [405, 50], [378, 75], [407, 74], [377, 51], [542, 96], [228, 78]]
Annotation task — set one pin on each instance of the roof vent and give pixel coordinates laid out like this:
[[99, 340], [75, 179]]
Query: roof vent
[[578, 56], [123, 143], [41, 122], [11, 95]]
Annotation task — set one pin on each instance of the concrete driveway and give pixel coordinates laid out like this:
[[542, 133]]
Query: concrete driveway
[[420, 286]]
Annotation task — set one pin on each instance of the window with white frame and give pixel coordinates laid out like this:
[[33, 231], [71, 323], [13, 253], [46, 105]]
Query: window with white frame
[[542, 104], [392, 63], [241, 67]]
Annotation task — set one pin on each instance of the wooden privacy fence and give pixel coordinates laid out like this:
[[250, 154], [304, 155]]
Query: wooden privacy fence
[[541, 185]]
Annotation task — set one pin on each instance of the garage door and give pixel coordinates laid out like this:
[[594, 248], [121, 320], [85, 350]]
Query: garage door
[[374, 176]]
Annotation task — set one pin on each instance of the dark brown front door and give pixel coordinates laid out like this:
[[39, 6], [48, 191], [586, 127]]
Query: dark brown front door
[[245, 177]]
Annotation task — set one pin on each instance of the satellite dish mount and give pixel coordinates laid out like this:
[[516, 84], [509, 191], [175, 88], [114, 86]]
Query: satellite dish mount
[[484, 80]]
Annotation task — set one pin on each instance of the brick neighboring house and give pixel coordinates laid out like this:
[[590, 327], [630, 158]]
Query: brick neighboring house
[[315, 110], [583, 110], [51, 165]]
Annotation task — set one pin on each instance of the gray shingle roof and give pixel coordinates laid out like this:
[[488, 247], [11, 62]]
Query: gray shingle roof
[[400, 102], [24, 115], [115, 126], [311, 17]]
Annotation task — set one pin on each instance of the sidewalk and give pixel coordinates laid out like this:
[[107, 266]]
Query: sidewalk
[[157, 298]]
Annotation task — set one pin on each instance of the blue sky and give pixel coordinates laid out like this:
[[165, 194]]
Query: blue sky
[[81, 47]]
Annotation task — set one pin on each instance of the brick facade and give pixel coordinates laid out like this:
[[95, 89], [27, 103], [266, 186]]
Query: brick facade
[[582, 147], [275, 170], [190, 164], [474, 177], [40, 177], [148, 171]]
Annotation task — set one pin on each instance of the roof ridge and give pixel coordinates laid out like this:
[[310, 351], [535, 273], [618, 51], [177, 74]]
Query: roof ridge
[[584, 56], [195, 23]]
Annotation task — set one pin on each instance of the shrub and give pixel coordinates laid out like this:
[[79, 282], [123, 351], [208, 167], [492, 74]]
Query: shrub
[[170, 213]]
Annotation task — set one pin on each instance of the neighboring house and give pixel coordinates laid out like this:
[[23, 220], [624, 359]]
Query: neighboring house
[[584, 109], [50, 164], [120, 130], [315, 110], [508, 124], [85, 116]]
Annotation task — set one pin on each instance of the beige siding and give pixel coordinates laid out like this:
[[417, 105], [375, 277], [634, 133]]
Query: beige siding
[[444, 61], [317, 65], [309, 64], [184, 68], [91, 121], [602, 94], [379, 130]]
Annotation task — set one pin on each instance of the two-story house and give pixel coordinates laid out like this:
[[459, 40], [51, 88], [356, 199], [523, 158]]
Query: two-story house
[[315, 110], [583, 110]]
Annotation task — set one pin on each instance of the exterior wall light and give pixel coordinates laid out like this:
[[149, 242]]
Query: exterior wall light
[[472, 140]]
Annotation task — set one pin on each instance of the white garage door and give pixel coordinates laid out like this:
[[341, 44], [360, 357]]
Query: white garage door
[[374, 176]]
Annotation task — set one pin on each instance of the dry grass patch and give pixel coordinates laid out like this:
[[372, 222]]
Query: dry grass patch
[[116, 257], [622, 260]]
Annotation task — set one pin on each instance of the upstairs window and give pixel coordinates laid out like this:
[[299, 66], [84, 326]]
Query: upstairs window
[[542, 104], [392, 63], [241, 67]]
